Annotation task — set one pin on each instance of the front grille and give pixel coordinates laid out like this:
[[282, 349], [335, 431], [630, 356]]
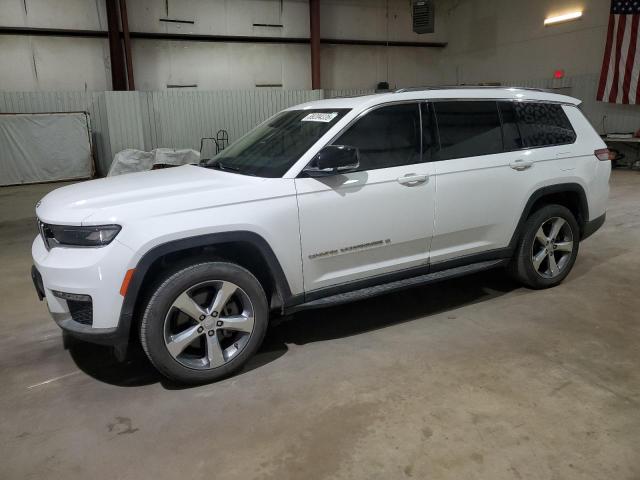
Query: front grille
[[81, 312]]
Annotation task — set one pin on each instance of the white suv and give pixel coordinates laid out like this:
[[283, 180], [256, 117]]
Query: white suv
[[326, 202]]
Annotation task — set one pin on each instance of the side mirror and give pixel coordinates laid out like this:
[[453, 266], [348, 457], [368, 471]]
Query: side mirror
[[333, 160]]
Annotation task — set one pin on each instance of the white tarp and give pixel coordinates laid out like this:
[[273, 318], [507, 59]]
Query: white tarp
[[130, 160], [44, 147]]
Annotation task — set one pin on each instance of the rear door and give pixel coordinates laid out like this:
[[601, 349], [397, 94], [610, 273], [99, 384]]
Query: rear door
[[492, 156], [480, 186]]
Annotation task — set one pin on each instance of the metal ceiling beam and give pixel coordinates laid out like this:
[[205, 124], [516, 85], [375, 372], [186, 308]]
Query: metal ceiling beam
[[58, 32]]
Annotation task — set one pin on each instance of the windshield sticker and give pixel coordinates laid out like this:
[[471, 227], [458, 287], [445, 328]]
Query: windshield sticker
[[320, 117]]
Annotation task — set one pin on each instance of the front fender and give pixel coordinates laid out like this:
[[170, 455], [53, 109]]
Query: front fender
[[147, 260]]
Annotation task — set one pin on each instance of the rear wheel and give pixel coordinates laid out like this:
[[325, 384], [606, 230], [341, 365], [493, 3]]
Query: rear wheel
[[548, 247], [204, 322]]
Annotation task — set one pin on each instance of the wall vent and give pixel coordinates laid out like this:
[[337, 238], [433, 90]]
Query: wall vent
[[423, 16]]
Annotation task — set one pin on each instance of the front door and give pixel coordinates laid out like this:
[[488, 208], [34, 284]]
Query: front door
[[378, 219]]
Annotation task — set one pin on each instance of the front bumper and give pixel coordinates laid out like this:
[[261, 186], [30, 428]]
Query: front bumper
[[92, 272]]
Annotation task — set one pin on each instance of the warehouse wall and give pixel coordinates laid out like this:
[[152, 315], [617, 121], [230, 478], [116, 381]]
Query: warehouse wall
[[50, 63], [38, 63], [506, 40], [491, 41], [497, 40]]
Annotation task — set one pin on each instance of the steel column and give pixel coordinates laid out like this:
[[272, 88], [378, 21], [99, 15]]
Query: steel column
[[314, 27], [118, 76], [124, 19]]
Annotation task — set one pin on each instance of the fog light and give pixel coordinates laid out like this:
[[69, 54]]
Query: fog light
[[74, 297]]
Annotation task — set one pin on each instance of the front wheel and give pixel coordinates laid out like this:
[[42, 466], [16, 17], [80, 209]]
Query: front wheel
[[548, 247], [204, 322]]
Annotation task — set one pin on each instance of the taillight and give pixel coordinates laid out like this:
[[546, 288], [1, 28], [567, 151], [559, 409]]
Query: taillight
[[603, 154]]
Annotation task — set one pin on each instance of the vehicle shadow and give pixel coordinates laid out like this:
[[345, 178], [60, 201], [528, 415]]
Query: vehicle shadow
[[391, 309], [99, 362], [312, 326]]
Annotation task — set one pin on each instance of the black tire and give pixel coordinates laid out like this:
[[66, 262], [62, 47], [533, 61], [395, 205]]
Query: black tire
[[522, 266], [152, 326]]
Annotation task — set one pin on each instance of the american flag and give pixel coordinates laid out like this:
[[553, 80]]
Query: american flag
[[620, 76]]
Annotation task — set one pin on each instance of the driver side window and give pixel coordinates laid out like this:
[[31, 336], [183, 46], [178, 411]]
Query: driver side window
[[386, 137]]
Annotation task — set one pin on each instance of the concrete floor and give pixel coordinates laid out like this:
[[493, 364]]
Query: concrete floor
[[468, 379]]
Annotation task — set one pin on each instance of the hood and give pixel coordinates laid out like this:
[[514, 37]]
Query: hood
[[169, 190]]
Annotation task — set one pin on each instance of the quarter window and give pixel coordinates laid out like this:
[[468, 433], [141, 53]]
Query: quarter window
[[386, 137], [468, 129], [542, 124]]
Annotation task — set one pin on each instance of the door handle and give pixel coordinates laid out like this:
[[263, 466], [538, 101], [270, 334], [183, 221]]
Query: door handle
[[412, 179], [521, 164]]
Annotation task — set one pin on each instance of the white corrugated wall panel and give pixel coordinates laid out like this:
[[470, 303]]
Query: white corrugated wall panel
[[179, 119], [124, 114]]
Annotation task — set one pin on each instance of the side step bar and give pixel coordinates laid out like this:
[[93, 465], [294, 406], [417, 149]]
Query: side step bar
[[369, 292]]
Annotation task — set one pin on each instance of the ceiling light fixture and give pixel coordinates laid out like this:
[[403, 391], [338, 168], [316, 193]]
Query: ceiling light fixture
[[562, 18]]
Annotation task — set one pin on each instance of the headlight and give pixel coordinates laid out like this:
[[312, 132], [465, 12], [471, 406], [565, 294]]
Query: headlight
[[65, 235]]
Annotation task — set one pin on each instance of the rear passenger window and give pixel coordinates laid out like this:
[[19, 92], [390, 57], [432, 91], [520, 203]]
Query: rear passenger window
[[468, 129], [386, 137], [542, 124]]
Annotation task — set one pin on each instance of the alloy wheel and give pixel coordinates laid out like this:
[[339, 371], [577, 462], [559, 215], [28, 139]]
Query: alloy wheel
[[208, 324], [552, 247]]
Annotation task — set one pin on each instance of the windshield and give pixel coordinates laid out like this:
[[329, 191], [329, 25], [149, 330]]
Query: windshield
[[270, 149]]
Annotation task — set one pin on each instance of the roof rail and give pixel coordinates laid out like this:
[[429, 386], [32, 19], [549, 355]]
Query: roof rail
[[470, 87]]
